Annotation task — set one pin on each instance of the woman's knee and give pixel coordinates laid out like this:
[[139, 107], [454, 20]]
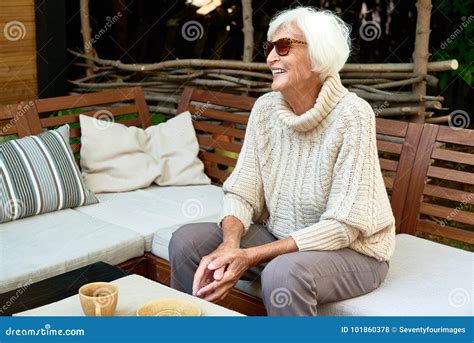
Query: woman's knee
[[287, 289], [181, 239]]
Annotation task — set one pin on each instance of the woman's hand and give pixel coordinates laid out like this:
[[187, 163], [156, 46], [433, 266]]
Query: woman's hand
[[204, 275], [233, 262], [232, 229], [227, 268]]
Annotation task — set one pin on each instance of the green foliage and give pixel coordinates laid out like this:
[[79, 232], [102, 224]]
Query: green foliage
[[157, 118], [7, 138], [67, 112], [456, 40]]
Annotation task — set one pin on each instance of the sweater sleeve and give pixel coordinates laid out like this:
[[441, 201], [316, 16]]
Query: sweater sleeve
[[243, 189], [351, 208]]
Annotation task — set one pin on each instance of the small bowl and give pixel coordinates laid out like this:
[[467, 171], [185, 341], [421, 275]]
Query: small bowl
[[168, 307]]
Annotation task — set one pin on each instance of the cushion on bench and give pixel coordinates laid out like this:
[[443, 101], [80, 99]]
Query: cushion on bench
[[156, 208], [424, 279], [39, 247]]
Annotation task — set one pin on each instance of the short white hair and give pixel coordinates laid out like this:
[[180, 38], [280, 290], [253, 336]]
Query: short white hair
[[328, 37]]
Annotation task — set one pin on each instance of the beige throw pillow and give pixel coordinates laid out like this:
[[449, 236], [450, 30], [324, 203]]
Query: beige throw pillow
[[114, 158], [175, 147], [117, 158]]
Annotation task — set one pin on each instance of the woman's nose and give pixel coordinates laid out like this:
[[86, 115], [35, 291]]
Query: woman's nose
[[272, 56]]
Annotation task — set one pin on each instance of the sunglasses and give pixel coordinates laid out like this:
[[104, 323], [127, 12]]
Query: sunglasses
[[282, 46]]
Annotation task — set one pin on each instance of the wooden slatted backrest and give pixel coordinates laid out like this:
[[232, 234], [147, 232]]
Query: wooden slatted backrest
[[396, 141], [14, 121], [219, 120], [441, 201], [124, 105]]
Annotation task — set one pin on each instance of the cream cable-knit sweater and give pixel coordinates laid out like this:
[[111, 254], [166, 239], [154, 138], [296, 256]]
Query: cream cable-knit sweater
[[316, 175]]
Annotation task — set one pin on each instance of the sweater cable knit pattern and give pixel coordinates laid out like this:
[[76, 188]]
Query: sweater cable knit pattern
[[316, 176]]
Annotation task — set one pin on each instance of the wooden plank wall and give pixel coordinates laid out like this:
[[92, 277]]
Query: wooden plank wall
[[18, 77]]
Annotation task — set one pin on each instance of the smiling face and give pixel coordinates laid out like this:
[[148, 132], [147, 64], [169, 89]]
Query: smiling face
[[292, 73]]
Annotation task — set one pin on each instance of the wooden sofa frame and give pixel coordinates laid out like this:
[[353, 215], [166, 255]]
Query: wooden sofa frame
[[413, 158]]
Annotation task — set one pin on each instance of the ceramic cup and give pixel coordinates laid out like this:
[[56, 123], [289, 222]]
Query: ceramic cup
[[98, 299]]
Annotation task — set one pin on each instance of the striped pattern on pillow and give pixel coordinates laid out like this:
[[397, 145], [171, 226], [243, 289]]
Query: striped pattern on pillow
[[38, 174]]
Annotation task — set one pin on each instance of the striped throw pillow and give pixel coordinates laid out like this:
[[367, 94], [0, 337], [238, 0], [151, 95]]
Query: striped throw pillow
[[38, 174]]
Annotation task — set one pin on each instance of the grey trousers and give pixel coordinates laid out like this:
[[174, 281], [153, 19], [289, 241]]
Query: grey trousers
[[292, 284]]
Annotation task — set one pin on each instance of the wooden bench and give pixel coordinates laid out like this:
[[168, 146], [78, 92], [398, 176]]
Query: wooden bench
[[425, 171]]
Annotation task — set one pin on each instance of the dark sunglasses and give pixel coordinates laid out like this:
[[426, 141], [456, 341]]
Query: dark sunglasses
[[282, 46]]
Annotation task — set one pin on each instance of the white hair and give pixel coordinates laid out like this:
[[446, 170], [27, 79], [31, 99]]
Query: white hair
[[327, 35]]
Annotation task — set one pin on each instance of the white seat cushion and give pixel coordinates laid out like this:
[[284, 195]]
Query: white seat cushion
[[424, 279], [156, 208], [161, 240], [39, 247]]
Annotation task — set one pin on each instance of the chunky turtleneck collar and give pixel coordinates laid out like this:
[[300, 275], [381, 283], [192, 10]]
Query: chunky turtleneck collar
[[329, 95]]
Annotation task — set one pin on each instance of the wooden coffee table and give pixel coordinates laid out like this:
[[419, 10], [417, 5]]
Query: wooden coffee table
[[134, 291], [57, 296]]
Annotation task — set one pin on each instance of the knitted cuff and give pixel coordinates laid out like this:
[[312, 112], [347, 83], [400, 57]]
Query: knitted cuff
[[324, 235], [233, 206]]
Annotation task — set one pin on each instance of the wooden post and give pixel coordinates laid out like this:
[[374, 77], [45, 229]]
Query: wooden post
[[421, 52], [86, 35], [247, 29]]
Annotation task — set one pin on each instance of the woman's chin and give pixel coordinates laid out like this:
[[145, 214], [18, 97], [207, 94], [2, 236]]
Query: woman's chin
[[277, 86]]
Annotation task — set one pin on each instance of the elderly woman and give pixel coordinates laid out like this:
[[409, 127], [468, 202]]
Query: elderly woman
[[309, 167]]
